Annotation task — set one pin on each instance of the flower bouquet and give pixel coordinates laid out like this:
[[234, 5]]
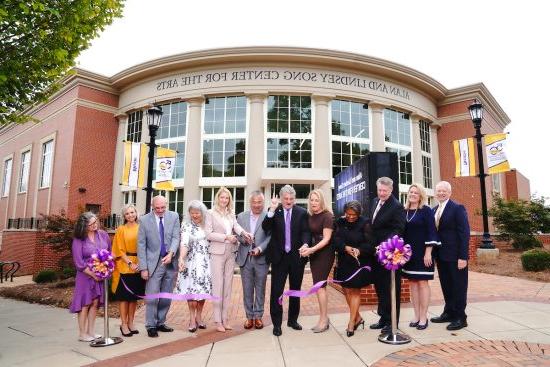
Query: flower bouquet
[[102, 264], [394, 253]]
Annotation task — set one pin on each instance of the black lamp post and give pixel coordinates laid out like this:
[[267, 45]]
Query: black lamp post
[[476, 112], [154, 115]]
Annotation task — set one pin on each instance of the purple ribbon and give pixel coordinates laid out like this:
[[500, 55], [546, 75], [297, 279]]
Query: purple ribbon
[[317, 286], [172, 296]]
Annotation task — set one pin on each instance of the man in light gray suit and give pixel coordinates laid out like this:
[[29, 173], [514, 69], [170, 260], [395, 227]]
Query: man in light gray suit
[[251, 259], [158, 244]]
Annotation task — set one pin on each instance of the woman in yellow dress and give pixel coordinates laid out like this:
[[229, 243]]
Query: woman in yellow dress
[[126, 266]]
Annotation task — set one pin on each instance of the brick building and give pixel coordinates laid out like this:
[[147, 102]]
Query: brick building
[[245, 118]]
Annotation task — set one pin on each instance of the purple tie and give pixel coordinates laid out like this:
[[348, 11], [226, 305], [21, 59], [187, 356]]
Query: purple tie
[[287, 231], [161, 233]]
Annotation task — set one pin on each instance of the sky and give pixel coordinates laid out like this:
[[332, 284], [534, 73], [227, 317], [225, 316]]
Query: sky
[[504, 45]]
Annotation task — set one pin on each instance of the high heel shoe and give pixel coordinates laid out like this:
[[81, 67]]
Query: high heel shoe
[[360, 322], [124, 334], [414, 324], [192, 329], [422, 327], [350, 333]]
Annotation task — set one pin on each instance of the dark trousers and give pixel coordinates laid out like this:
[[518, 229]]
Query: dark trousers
[[454, 284], [382, 285], [292, 267]]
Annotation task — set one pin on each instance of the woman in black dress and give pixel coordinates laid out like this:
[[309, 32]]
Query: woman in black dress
[[354, 243], [421, 234]]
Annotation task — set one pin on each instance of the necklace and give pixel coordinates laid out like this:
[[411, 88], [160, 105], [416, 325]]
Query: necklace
[[411, 218]]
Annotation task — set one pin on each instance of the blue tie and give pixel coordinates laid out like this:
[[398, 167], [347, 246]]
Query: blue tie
[[161, 233]]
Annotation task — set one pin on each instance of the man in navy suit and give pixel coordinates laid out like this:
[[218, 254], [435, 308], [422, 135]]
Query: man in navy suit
[[388, 219], [452, 256], [289, 228]]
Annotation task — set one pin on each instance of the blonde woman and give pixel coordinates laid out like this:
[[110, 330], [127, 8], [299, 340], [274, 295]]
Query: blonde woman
[[126, 268], [420, 233], [321, 253], [221, 230]]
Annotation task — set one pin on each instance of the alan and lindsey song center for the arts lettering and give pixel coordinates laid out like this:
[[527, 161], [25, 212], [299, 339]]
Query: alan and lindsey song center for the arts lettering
[[282, 75]]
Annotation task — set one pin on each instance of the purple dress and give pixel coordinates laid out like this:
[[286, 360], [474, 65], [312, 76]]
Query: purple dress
[[86, 289]]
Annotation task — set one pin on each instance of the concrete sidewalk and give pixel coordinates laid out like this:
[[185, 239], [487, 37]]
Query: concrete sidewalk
[[500, 308]]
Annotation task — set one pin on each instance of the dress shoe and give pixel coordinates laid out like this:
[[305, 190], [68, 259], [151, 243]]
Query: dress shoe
[[378, 325], [414, 323], [248, 324], [445, 317], [126, 334], [86, 339], [152, 333], [277, 331], [164, 329], [386, 329], [294, 325], [321, 329], [258, 324], [422, 326], [359, 323], [134, 331], [457, 325]]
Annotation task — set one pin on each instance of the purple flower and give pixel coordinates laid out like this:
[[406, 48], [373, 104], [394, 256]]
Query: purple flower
[[394, 253], [102, 264]]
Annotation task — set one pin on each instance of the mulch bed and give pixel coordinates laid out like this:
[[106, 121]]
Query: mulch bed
[[508, 264]]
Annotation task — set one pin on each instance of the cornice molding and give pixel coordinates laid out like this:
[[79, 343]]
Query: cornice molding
[[480, 92], [313, 56]]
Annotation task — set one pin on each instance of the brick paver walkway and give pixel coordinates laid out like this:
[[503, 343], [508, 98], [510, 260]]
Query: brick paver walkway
[[482, 288], [486, 353]]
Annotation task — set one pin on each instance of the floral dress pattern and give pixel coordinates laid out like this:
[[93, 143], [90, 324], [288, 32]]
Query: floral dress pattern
[[196, 278]]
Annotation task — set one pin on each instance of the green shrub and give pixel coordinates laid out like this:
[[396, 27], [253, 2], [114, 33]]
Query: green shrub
[[535, 260], [525, 242], [45, 276], [68, 273]]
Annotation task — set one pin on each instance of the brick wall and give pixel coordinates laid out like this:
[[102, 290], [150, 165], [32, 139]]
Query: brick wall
[[25, 247], [466, 190], [93, 159]]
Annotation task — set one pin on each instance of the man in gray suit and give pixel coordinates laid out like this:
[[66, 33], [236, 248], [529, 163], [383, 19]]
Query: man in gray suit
[[251, 259], [158, 244]]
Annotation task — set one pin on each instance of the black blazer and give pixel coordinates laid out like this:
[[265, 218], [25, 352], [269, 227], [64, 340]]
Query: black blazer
[[454, 233], [299, 233], [390, 220]]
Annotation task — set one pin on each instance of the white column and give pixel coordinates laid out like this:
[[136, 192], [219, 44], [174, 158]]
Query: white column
[[116, 194], [417, 170], [322, 143], [193, 151], [378, 138], [436, 171], [255, 142]]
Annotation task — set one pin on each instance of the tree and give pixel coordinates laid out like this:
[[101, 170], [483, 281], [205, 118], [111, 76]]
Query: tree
[[520, 220], [39, 41]]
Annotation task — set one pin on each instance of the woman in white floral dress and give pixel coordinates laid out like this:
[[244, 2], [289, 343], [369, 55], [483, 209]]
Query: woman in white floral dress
[[194, 263]]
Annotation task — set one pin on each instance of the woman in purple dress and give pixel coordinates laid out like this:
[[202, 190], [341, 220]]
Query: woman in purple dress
[[88, 290], [420, 233]]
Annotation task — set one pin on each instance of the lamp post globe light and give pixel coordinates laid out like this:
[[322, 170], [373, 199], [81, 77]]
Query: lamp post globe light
[[476, 113], [154, 116]]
